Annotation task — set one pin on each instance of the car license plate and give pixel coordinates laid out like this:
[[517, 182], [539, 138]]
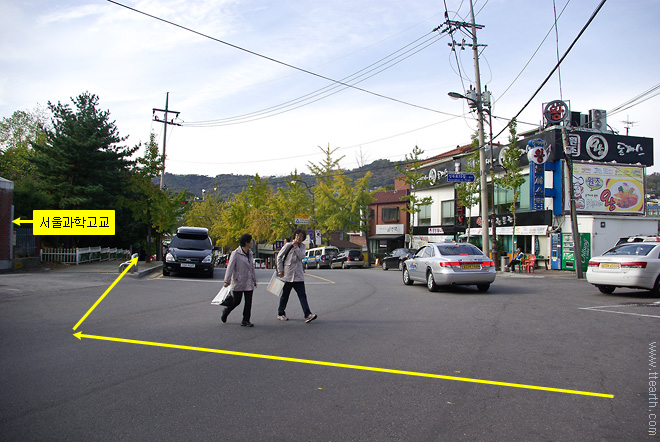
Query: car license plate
[[608, 265], [188, 266], [471, 266]]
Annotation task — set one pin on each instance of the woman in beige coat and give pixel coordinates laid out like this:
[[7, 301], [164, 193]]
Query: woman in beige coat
[[240, 273]]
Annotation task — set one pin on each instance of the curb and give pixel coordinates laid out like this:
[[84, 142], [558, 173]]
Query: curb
[[145, 272]]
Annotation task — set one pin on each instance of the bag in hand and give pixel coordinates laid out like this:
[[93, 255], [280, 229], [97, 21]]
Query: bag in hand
[[224, 297]]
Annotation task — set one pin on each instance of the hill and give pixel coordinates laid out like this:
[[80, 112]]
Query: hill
[[225, 185]]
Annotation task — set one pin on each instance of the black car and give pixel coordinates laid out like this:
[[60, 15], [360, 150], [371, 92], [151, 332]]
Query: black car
[[394, 259], [347, 259], [191, 251]]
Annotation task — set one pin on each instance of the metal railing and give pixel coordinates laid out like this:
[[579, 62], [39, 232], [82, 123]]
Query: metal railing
[[82, 255]]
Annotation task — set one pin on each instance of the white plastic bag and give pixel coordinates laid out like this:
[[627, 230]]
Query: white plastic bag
[[275, 285], [224, 297]]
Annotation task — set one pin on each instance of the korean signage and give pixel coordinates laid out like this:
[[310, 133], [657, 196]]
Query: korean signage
[[607, 147], [390, 229], [600, 188], [555, 112]]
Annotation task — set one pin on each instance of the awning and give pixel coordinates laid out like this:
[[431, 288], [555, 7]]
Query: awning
[[386, 236]]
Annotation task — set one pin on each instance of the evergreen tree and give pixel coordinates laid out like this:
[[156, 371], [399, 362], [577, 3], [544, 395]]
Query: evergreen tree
[[80, 162]]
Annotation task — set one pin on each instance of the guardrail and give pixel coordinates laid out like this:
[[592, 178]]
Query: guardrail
[[82, 255]]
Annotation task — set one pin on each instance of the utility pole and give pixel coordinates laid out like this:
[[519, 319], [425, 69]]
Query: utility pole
[[577, 247], [471, 28], [628, 124], [165, 121]]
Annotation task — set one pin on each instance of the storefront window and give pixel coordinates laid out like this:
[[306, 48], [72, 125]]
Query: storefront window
[[447, 212], [425, 215]]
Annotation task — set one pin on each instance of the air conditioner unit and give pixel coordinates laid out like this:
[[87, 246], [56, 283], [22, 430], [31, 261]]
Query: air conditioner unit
[[598, 119]]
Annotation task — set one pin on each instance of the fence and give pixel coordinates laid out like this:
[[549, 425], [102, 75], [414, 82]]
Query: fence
[[81, 255]]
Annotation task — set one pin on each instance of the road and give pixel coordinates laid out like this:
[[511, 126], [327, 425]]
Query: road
[[528, 330]]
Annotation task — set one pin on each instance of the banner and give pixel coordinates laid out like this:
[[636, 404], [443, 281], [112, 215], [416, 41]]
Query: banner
[[612, 189]]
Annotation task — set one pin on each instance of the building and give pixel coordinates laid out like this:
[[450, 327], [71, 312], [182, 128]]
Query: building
[[389, 222], [608, 184]]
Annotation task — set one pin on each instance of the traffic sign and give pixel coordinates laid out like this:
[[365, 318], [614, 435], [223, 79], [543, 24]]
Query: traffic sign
[[460, 177]]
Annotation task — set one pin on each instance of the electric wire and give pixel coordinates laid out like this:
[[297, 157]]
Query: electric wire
[[584, 28], [317, 95], [265, 57]]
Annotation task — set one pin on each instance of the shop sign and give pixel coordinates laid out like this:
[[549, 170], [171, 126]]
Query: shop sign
[[389, 229], [555, 112], [600, 188]]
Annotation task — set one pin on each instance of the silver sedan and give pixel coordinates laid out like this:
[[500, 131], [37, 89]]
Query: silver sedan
[[448, 264], [633, 265]]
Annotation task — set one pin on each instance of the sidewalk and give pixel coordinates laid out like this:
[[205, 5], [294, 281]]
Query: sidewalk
[[143, 268]]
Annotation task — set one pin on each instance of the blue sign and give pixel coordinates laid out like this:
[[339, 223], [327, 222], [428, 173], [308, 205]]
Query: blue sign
[[460, 177]]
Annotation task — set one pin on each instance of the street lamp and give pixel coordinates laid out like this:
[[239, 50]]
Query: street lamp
[[478, 104]]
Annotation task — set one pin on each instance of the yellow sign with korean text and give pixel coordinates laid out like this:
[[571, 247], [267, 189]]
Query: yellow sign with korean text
[[73, 222]]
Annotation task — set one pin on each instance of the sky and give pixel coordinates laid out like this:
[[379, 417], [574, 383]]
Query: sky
[[256, 82]]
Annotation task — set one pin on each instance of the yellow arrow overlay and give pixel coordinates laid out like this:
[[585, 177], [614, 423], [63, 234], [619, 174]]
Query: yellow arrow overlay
[[18, 221], [80, 335], [133, 262]]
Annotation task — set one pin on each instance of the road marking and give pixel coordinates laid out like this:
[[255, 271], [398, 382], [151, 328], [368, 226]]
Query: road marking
[[599, 309], [327, 280], [80, 335]]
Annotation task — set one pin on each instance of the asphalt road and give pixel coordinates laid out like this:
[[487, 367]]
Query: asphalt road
[[529, 330]]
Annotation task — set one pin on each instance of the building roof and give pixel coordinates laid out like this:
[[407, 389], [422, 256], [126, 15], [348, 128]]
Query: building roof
[[389, 196]]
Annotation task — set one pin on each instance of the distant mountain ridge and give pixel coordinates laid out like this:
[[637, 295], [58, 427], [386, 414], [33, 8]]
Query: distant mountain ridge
[[225, 185]]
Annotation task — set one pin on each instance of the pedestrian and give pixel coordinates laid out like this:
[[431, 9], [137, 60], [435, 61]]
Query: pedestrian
[[240, 273], [290, 270], [516, 260]]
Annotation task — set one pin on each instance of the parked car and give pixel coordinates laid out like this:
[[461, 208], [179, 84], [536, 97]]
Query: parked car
[[629, 239], [191, 251], [632, 265], [347, 259], [259, 263], [448, 264], [395, 259], [319, 257]]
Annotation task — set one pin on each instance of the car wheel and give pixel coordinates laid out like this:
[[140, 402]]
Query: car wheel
[[430, 282], [483, 287], [400, 265], [166, 272], [384, 265], [655, 291], [608, 289], [210, 275], [406, 277]]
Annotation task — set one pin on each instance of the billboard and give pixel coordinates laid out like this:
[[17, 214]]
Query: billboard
[[613, 189]]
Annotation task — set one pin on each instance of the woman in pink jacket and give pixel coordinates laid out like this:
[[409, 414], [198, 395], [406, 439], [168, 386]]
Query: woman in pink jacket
[[240, 273]]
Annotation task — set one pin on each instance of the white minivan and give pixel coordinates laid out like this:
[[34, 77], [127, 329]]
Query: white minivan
[[319, 257]]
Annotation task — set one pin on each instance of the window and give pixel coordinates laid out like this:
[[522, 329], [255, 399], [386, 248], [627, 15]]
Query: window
[[425, 215], [391, 214], [447, 212]]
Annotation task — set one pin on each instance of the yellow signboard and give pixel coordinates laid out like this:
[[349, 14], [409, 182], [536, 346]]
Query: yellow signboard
[[73, 222]]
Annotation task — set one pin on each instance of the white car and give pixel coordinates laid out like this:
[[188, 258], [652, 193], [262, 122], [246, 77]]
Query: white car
[[633, 265], [448, 264]]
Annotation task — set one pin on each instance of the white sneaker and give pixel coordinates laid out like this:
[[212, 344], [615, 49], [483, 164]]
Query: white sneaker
[[282, 318]]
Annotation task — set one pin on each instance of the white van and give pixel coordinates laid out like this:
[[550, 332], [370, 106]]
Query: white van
[[319, 257]]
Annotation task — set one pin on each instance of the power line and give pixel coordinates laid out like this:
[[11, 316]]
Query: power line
[[273, 59], [584, 28], [322, 93]]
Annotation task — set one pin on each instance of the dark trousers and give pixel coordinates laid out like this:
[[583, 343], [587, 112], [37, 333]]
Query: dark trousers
[[247, 306], [513, 263], [299, 287]]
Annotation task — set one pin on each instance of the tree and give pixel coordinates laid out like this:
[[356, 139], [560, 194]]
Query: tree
[[80, 160], [340, 203], [512, 178], [17, 133], [150, 205], [416, 180]]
